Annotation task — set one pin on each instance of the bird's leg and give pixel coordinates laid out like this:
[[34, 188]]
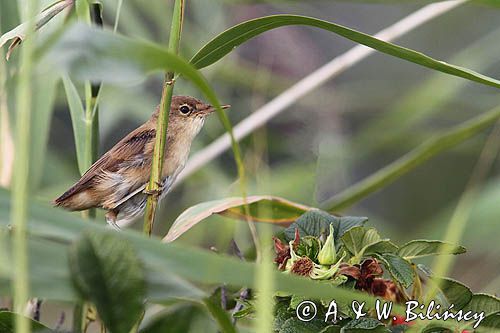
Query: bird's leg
[[111, 216], [156, 192]]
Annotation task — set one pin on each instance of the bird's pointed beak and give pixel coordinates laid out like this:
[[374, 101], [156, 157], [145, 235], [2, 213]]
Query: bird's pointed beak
[[207, 109]]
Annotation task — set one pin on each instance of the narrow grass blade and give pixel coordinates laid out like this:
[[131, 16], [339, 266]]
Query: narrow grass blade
[[408, 162]]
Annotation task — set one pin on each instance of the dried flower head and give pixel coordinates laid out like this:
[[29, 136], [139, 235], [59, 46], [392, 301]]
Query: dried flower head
[[302, 266]]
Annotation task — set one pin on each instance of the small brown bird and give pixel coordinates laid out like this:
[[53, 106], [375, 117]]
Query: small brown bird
[[117, 181]]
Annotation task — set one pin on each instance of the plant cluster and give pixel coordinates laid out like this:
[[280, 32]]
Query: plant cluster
[[343, 252]]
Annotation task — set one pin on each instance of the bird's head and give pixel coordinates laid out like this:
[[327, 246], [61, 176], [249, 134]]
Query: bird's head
[[187, 114], [187, 107]]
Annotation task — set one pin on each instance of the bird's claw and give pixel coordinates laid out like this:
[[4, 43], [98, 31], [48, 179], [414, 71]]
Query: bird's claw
[[156, 192]]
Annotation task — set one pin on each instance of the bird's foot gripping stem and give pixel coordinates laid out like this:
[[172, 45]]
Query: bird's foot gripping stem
[[155, 192]]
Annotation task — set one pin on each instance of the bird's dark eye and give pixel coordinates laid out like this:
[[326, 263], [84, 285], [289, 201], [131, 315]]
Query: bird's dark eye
[[184, 109]]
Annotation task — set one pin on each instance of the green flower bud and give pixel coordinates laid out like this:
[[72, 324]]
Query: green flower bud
[[327, 255], [293, 258], [324, 273]]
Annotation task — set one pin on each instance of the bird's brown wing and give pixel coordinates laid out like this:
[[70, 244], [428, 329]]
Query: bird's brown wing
[[132, 151]]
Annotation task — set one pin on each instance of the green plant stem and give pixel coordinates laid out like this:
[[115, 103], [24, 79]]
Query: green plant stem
[[89, 13], [162, 125], [408, 162], [265, 283], [91, 107], [20, 187]]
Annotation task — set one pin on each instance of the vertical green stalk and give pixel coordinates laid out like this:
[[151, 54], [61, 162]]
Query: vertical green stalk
[[162, 125], [5, 136], [91, 14], [91, 106], [265, 282], [20, 186]]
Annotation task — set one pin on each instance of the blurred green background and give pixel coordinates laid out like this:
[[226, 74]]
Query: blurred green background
[[342, 132]]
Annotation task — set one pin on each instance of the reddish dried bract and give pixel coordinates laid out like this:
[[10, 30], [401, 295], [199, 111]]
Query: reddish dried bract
[[350, 270], [367, 279], [282, 253], [303, 266], [370, 268], [386, 289]]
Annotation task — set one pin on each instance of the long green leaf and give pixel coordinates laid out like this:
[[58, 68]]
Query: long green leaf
[[261, 208], [78, 122], [237, 35], [52, 230], [7, 320], [408, 162], [44, 97]]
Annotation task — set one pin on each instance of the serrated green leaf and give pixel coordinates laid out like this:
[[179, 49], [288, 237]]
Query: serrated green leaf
[[490, 324], [107, 272], [331, 329], [229, 39], [312, 223], [422, 248], [7, 320], [294, 325], [317, 222], [281, 313], [382, 246], [455, 292], [364, 325], [348, 222], [399, 268], [483, 302], [358, 239], [295, 301]]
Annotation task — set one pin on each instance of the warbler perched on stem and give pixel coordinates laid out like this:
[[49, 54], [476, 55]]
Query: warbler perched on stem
[[117, 181]]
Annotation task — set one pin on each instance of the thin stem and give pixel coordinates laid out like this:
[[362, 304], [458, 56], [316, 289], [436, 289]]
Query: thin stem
[[117, 17], [458, 221], [20, 188], [92, 90], [162, 125], [90, 13], [6, 142]]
